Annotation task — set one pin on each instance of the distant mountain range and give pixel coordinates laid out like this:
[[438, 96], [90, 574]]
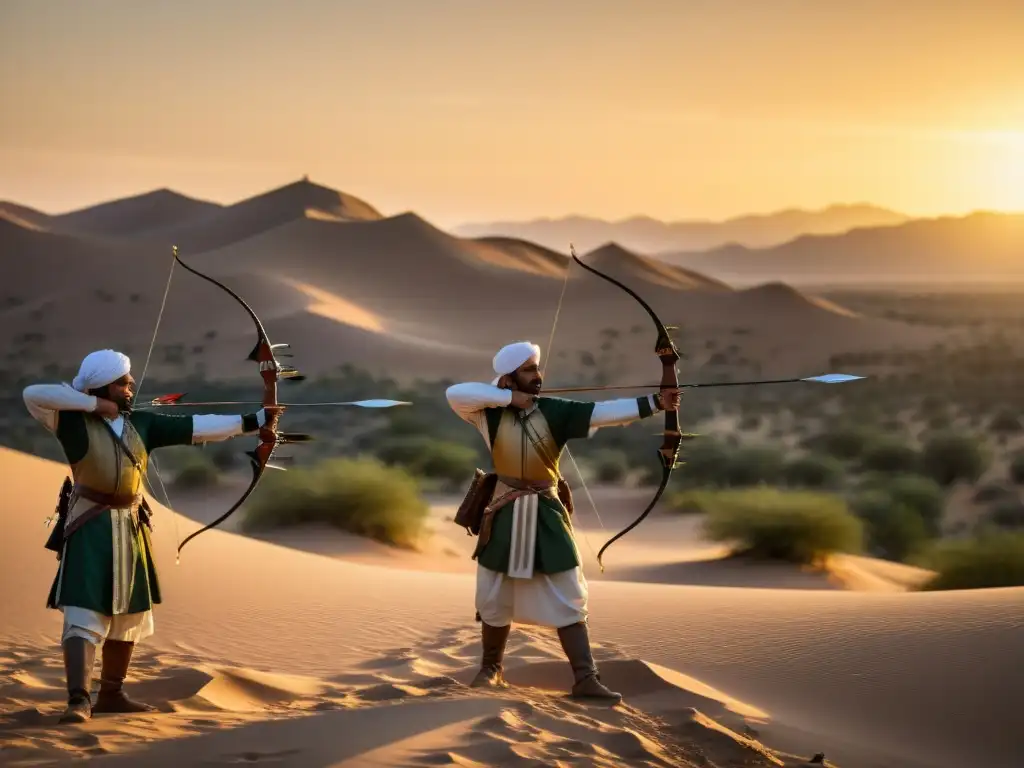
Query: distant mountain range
[[330, 274], [648, 235], [981, 247]]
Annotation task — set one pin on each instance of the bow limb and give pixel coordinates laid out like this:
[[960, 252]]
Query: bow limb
[[270, 372], [669, 355]]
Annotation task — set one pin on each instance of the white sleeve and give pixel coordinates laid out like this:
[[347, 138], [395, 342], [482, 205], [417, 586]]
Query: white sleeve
[[616, 413], [212, 428], [45, 400], [470, 399]]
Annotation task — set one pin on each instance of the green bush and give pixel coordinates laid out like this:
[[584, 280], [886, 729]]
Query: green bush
[[1006, 421], [842, 442], [362, 496], [753, 465], [1007, 513], [986, 561], [610, 466], [706, 462], [950, 456], [894, 529], [1017, 468], [424, 456], [920, 493], [195, 470], [795, 526], [813, 471], [889, 454]]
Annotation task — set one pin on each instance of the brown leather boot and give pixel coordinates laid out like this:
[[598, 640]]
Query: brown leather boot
[[117, 655], [79, 656], [576, 643], [490, 674]]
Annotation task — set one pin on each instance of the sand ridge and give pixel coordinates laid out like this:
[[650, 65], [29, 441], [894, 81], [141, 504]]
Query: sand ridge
[[871, 678], [414, 700]]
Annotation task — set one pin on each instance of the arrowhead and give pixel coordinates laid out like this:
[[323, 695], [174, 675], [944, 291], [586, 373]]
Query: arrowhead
[[294, 437], [834, 378], [376, 403]]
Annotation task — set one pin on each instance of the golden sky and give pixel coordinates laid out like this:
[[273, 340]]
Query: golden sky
[[467, 110]]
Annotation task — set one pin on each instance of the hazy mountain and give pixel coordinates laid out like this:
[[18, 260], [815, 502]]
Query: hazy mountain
[[979, 247], [649, 235]]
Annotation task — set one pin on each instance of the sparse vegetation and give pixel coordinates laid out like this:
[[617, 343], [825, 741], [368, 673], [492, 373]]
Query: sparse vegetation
[[989, 560], [795, 526], [924, 425], [1017, 468], [195, 469], [362, 496]]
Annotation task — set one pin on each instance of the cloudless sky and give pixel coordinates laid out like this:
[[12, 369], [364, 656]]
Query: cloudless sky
[[468, 110]]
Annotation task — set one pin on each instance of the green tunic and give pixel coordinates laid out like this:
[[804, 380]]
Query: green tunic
[[533, 454], [85, 577]]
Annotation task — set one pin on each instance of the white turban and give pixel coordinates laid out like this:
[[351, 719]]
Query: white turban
[[101, 368], [511, 356]]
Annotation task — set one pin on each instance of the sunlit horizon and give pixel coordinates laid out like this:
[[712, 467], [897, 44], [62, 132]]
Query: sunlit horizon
[[466, 113]]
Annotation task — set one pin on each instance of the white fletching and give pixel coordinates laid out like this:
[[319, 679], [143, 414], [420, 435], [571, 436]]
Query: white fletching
[[834, 378]]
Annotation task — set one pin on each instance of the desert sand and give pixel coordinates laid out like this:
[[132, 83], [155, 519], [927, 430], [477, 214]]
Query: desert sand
[[311, 647], [267, 651], [391, 294]]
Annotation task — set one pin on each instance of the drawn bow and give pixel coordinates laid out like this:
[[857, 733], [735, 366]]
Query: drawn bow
[[668, 453], [271, 371]]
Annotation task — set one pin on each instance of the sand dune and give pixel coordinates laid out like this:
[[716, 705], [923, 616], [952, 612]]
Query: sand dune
[[303, 254], [249, 217], [382, 654], [134, 216], [628, 267]]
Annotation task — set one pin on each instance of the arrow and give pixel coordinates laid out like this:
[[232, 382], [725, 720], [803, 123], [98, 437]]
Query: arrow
[[828, 378], [166, 402]]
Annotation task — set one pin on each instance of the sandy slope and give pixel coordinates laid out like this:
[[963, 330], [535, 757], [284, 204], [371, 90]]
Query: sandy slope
[[868, 678], [423, 292]]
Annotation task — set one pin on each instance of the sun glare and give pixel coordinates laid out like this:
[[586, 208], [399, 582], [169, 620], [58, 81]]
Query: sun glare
[[1007, 171]]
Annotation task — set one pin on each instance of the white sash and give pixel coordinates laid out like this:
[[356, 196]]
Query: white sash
[[524, 537]]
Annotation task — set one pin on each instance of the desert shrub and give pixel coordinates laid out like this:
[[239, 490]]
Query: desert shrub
[[362, 496], [195, 469], [813, 471], [705, 462], [1007, 513], [753, 465], [920, 493], [224, 456], [422, 455], [796, 526], [843, 442], [991, 492], [1017, 468], [989, 560], [1006, 421], [610, 466], [749, 422], [894, 530], [951, 456], [889, 454]]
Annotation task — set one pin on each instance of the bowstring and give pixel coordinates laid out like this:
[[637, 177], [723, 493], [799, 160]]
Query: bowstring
[[152, 462], [576, 467]]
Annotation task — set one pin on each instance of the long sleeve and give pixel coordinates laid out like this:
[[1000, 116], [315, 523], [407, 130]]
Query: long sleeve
[[213, 428], [45, 401], [620, 412], [470, 399]]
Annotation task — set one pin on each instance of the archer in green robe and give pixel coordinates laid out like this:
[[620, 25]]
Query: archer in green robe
[[106, 582]]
